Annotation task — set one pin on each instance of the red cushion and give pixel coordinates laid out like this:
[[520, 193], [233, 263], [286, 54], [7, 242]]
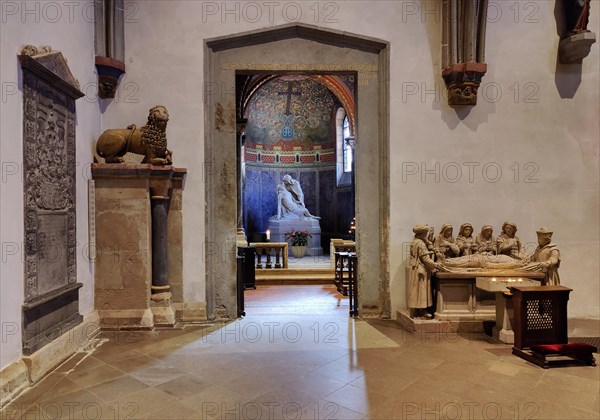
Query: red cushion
[[564, 348]]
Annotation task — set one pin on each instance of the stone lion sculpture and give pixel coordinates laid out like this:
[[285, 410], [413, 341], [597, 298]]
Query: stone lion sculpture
[[150, 140]]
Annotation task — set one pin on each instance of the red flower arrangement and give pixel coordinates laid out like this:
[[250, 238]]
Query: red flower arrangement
[[298, 237]]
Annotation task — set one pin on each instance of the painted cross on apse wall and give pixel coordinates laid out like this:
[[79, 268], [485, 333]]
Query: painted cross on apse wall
[[287, 132]]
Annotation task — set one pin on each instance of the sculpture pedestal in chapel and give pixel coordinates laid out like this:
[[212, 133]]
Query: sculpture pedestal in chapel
[[138, 276], [278, 229]]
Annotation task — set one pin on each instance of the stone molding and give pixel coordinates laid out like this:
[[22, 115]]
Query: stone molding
[[29, 370]]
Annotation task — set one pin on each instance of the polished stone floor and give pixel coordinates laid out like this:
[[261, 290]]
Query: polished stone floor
[[297, 355]]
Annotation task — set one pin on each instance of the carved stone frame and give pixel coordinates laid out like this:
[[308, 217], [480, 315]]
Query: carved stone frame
[[372, 145], [51, 295]]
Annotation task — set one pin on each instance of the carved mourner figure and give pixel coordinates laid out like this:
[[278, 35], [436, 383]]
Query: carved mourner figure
[[465, 242], [547, 256], [150, 140], [293, 186], [290, 201], [486, 243], [288, 207], [444, 244], [509, 244], [430, 240], [421, 268]]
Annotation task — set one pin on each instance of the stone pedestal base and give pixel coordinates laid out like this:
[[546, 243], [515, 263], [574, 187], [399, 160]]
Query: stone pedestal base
[[503, 331], [278, 229], [125, 264], [126, 319], [575, 48], [162, 310], [435, 326], [47, 317]]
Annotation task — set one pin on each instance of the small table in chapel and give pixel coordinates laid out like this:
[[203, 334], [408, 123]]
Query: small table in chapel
[[503, 330]]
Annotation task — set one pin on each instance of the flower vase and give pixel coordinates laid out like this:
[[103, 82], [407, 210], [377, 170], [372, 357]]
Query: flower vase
[[298, 251]]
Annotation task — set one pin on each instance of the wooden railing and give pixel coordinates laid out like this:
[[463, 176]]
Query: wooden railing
[[340, 245], [342, 252], [278, 250]]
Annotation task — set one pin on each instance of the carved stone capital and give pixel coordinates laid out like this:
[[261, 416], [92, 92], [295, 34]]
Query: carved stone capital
[[575, 47], [109, 72], [462, 81]]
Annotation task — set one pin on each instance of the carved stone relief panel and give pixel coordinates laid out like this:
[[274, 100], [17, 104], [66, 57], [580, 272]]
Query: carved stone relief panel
[[49, 170], [51, 304]]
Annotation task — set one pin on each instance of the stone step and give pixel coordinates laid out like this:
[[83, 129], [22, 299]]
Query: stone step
[[294, 276], [291, 270]]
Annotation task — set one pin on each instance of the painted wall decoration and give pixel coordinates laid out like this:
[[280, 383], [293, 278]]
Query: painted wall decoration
[[288, 154], [291, 109]]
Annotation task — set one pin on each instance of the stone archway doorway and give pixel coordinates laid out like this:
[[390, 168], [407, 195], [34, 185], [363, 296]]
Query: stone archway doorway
[[298, 48], [297, 124]]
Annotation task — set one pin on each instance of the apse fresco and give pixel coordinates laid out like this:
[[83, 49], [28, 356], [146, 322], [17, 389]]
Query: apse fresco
[[291, 109]]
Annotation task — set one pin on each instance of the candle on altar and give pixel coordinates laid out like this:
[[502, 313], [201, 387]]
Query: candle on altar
[[268, 235]]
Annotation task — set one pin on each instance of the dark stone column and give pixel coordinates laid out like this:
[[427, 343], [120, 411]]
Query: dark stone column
[[160, 195], [159, 202]]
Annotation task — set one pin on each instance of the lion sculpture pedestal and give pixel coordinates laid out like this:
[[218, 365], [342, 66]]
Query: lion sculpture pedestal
[[138, 276]]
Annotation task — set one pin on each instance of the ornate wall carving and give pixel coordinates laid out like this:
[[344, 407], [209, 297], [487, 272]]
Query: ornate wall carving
[[51, 297], [49, 177]]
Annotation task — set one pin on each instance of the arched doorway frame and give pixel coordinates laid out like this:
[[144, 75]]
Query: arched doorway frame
[[370, 57]]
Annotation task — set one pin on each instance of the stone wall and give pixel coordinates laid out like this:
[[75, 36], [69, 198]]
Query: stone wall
[[72, 34], [530, 109]]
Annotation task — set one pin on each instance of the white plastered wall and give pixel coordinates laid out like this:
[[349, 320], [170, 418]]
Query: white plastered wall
[[67, 27], [521, 124]]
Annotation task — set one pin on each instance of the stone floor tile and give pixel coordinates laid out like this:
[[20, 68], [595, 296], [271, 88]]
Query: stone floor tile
[[331, 367], [340, 371], [136, 362], [157, 374], [142, 403], [215, 401], [117, 387], [93, 376], [184, 386], [314, 384], [361, 400], [175, 411]]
